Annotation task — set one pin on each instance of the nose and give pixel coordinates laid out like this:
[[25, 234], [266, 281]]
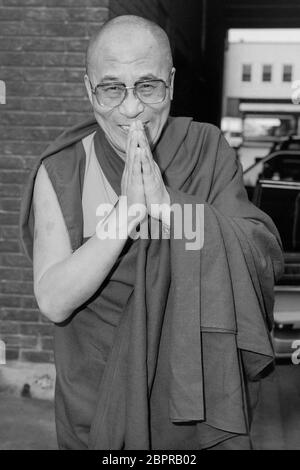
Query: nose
[[131, 106]]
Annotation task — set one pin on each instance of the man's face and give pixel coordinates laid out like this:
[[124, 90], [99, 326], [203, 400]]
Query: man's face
[[127, 59]]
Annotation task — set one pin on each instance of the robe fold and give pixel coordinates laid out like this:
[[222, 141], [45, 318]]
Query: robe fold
[[164, 354]]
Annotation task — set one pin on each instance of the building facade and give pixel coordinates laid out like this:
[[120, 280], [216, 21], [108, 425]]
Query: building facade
[[257, 80]]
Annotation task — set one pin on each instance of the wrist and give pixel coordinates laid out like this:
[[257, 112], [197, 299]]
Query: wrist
[[165, 210]]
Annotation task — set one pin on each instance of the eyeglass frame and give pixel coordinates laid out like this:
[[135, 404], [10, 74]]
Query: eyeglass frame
[[126, 88]]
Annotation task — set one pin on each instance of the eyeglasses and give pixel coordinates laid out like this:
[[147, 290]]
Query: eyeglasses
[[113, 94]]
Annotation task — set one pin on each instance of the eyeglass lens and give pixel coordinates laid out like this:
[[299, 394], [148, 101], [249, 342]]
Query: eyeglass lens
[[150, 92]]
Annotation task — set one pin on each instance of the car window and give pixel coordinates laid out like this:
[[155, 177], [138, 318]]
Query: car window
[[282, 203], [284, 167]]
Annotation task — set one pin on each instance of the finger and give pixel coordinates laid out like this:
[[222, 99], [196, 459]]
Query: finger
[[136, 165], [146, 166], [129, 138], [132, 151], [144, 144], [143, 140], [131, 133]]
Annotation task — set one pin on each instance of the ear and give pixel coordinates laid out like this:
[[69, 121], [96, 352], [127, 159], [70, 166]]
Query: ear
[[88, 88], [172, 82]]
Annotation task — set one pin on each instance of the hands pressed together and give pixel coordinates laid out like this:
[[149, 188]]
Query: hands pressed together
[[142, 182]]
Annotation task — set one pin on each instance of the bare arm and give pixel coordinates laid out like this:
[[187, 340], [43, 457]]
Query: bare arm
[[64, 280]]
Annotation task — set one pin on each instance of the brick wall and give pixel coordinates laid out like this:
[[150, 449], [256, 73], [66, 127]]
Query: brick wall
[[42, 47]]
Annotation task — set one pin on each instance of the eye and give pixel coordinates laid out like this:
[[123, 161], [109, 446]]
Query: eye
[[112, 88], [146, 86]]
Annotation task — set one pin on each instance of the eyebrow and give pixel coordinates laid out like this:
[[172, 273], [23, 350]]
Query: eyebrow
[[111, 78]]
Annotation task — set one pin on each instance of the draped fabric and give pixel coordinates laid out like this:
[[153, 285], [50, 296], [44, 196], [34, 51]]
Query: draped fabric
[[179, 334]]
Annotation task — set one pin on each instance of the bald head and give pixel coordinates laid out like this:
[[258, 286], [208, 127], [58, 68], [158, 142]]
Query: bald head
[[126, 29]]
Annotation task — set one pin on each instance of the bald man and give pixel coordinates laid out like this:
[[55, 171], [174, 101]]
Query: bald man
[[160, 339]]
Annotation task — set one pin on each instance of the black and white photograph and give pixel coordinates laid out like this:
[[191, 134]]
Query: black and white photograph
[[149, 227]]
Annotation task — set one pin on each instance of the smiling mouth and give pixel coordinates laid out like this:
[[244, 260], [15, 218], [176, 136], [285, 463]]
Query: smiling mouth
[[126, 127]]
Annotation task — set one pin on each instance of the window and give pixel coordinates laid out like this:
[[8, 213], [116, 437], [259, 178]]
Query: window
[[282, 203], [267, 73], [287, 73], [246, 73]]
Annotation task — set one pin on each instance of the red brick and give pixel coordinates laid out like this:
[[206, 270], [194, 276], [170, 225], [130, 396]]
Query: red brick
[[31, 119], [53, 14], [35, 28], [47, 343], [28, 43], [9, 219], [9, 301], [10, 274], [76, 90], [15, 287], [14, 274], [27, 148], [14, 260], [9, 327], [27, 274], [54, 3], [11, 162], [10, 190], [29, 161], [9, 232], [42, 329], [12, 176], [10, 204], [49, 89], [50, 104], [9, 246], [29, 133], [36, 356], [19, 314], [27, 342], [11, 354], [29, 302]]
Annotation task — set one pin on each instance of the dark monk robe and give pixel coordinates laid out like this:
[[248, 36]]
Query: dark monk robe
[[164, 354]]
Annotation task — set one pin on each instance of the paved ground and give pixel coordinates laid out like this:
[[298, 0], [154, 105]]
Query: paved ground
[[277, 424], [26, 423]]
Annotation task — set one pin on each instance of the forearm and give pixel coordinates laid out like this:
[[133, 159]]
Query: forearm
[[66, 285]]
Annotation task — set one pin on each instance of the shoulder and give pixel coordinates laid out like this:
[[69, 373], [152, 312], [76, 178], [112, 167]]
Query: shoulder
[[204, 130], [67, 151], [203, 139], [194, 133], [63, 163]]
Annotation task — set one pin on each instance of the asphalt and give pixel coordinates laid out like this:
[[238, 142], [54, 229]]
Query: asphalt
[[27, 423]]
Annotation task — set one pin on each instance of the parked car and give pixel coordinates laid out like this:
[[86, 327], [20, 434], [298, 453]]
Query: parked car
[[291, 142], [273, 184]]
